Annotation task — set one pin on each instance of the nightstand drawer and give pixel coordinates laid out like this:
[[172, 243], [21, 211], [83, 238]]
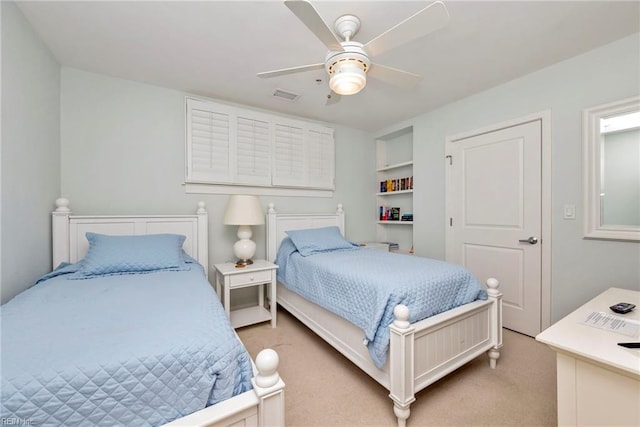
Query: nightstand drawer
[[250, 277]]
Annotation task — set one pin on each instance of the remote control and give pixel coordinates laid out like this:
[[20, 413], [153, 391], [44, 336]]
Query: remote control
[[629, 344], [622, 307]]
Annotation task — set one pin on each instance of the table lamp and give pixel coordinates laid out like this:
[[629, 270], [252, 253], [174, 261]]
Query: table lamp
[[243, 211]]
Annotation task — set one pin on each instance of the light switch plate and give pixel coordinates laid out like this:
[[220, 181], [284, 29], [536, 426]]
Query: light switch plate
[[569, 212]]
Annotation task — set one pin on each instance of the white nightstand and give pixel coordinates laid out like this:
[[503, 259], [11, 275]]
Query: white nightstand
[[260, 273]]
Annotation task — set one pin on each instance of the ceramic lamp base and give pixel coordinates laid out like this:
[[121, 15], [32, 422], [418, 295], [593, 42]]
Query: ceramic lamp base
[[245, 248]]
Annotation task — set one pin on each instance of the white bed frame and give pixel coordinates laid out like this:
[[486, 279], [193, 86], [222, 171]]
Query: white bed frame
[[262, 406], [420, 353]]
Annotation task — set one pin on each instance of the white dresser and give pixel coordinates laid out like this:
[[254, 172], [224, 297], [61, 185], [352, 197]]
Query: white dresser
[[598, 380]]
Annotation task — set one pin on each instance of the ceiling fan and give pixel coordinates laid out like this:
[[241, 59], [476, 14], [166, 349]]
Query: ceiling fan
[[348, 62]]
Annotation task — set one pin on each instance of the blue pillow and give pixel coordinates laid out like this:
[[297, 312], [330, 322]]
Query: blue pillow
[[132, 254], [315, 240]]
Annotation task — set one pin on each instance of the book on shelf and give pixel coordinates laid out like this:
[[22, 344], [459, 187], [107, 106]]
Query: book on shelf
[[397, 184], [389, 214], [406, 217], [392, 245], [395, 214]]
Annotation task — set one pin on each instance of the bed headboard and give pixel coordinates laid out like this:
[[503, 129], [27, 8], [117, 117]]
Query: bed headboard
[[278, 224], [71, 245]]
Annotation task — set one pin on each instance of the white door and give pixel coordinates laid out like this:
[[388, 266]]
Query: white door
[[494, 212]]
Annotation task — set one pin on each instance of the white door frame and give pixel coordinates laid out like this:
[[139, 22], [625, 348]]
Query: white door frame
[[545, 118]]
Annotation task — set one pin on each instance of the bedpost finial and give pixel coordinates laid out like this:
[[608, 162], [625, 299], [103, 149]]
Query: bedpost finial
[[492, 285], [267, 363], [201, 207], [339, 210], [401, 312], [272, 208], [62, 205]]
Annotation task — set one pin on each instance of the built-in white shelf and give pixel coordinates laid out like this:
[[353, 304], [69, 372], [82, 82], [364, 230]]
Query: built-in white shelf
[[392, 193], [396, 222], [396, 166]]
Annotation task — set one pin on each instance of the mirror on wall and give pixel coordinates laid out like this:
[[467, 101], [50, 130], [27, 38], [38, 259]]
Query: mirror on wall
[[611, 166]]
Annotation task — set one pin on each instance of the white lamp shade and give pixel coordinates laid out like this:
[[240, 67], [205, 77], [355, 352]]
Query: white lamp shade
[[243, 210]]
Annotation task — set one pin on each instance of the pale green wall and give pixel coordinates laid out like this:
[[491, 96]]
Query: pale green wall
[[123, 152], [581, 268], [30, 152]]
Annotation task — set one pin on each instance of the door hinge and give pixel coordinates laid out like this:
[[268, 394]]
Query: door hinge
[[450, 159]]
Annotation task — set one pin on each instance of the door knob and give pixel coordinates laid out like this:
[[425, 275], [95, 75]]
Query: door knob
[[531, 240]]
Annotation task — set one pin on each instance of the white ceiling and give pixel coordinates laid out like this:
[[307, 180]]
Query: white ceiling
[[215, 48]]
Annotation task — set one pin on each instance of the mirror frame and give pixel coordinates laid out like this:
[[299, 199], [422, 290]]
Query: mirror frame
[[592, 172]]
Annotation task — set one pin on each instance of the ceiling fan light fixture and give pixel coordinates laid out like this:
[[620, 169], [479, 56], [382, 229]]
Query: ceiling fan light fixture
[[347, 79], [347, 62]]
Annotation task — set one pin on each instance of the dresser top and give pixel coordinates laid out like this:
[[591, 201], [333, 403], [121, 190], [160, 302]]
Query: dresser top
[[571, 334]]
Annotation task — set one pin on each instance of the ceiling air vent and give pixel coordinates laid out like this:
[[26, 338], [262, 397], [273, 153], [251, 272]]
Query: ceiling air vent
[[286, 95]]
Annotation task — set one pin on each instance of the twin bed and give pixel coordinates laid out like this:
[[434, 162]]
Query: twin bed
[[131, 333], [419, 351]]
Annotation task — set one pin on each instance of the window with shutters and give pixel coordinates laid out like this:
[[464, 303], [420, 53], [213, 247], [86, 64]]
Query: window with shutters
[[288, 168], [320, 157], [208, 150], [230, 146], [252, 152]]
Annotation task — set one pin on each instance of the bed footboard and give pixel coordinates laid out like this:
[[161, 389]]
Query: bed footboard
[[420, 353], [263, 406], [423, 352]]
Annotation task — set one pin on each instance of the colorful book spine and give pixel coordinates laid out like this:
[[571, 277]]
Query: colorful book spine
[[398, 184]]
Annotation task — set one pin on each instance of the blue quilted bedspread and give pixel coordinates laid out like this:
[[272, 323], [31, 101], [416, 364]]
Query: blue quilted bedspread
[[128, 350], [364, 285]]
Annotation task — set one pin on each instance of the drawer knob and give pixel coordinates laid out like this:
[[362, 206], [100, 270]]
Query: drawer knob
[[251, 278]]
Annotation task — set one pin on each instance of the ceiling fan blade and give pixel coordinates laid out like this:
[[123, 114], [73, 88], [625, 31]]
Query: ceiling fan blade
[[292, 70], [310, 17], [393, 76], [429, 19], [332, 98]]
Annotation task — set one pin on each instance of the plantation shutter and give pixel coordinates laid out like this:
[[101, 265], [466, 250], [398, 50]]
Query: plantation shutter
[[289, 156], [208, 144], [253, 164], [320, 158]]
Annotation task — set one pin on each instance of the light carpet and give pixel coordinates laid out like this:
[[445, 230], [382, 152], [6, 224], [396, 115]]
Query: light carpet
[[323, 388]]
